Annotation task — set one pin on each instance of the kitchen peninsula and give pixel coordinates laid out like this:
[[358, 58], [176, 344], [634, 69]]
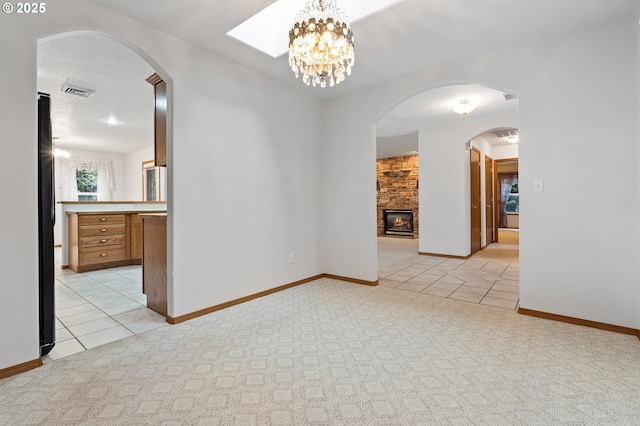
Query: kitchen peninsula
[[103, 234]]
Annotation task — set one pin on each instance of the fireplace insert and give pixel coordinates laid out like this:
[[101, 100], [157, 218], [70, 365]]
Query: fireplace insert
[[398, 222]]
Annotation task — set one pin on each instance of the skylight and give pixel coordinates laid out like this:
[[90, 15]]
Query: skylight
[[268, 30]]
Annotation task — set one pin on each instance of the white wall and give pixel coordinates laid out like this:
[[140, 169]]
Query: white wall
[[243, 183], [133, 172], [573, 89], [637, 118], [505, 151], [19, 223], [580, 265], [397, 146], [444, 184]]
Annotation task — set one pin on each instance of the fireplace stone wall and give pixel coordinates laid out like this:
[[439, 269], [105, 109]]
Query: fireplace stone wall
[[397, 188]]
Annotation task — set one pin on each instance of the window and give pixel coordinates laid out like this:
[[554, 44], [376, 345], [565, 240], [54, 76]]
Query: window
[[87, 181], [513, 202], [151, 179], [509, 196], [84, 180]]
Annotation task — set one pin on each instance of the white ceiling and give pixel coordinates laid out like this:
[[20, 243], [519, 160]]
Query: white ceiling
[[404, 38], [116, 74], [434, 108], [409, 36], [268, 30], [397, 131]]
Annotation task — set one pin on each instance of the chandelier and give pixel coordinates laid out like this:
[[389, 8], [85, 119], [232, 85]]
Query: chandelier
[[321, 44]]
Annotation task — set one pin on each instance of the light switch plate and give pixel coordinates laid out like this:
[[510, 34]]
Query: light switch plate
[[538, 185]]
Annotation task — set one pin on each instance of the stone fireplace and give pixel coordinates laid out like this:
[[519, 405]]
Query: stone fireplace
[[397, 189], [398, 222]]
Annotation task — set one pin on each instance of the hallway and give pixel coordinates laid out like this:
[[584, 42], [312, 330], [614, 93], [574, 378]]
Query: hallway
[[489, 277]]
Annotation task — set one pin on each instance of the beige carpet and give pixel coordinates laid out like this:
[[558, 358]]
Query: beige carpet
[[335, 353]]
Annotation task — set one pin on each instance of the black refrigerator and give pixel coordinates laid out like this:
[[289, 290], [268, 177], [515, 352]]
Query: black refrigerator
[[46, 220]]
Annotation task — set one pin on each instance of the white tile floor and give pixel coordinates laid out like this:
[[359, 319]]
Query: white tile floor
[[99, 307], [488, 277]]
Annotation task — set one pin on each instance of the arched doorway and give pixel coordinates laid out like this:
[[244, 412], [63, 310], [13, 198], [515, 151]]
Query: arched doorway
[[446, 140], [102, 114]]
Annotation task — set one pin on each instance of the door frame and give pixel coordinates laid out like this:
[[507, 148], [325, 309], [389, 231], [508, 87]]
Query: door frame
[[478, 207], [490, 202], [496, 211]]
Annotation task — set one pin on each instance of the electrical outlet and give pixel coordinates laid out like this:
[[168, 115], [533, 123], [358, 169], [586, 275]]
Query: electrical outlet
[[290, 257]]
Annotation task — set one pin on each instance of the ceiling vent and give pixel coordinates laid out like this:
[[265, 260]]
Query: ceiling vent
[[506, 133], [78, 91], [510, 96]]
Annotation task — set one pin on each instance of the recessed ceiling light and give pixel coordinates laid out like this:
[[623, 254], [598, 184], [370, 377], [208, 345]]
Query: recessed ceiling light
[[268, 30]]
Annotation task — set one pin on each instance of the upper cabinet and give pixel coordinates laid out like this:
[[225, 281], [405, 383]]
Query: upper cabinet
[[160, 144]]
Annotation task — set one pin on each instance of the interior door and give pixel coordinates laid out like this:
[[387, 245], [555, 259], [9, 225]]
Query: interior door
[[489, 200], [476, 202]]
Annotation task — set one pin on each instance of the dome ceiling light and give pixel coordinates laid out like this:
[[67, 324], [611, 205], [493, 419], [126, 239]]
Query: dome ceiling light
[[464, 107]]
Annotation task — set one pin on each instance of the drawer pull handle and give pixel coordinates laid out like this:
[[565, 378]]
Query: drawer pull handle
[[103, 230], [103, 254], [103, 219], [103, 241]]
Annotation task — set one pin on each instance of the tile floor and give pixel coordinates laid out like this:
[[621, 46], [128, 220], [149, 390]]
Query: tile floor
[[489, 277], [99, 307]]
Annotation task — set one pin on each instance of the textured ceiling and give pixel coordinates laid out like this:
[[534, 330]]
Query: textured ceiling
[[116, 74], [404, 38]]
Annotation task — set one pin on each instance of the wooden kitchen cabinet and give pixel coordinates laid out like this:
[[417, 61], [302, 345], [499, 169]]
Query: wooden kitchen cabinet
[[136, 238], [154, 261], [100, 240], [97, 241], [160, 118]]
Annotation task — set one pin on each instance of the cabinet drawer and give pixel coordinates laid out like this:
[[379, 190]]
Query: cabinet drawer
[[100, 219], [89, 230], [106, 240], [101, 255]]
